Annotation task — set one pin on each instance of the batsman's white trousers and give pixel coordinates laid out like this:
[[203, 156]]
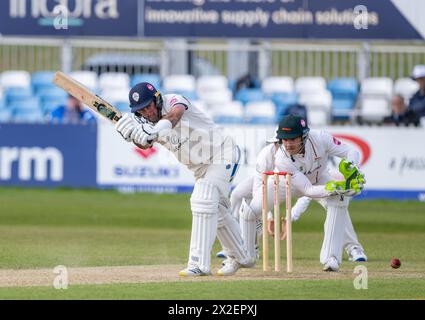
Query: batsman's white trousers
[[212, 217]]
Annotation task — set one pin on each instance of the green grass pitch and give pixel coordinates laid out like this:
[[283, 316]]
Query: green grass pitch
[[86, 229]]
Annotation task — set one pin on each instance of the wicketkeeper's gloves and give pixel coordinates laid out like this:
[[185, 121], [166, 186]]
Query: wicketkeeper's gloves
[[351, 172]]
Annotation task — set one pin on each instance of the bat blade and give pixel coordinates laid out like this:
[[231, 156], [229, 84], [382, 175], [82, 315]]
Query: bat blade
[[86, 96]]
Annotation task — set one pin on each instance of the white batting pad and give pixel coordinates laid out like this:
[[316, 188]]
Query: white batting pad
[[204, 203], [248, 225], [336, 216], [229, 234]]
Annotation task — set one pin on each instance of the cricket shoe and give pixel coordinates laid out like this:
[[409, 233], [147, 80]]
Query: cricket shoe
[[230, 266], [357, 255], [193, 272], [331, 265], [221, 254]]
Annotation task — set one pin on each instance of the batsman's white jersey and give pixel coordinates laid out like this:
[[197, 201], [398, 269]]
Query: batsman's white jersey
[[309, 175], [196, 141]]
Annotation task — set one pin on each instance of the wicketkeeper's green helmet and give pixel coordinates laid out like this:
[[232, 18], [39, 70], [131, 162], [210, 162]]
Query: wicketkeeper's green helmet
[[292, 126]]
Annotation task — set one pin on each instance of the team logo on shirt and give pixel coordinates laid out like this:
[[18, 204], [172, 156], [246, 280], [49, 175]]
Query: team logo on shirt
[[336, 141], [136, 97]]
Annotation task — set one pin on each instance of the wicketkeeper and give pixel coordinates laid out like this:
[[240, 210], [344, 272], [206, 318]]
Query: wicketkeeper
[[305, 155], [246, 200]]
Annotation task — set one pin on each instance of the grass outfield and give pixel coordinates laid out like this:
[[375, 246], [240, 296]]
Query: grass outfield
[[41, 229]]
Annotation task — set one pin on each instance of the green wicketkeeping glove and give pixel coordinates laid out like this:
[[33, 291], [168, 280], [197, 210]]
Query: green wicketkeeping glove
[[336, 187], [350, 173], [347, 188]]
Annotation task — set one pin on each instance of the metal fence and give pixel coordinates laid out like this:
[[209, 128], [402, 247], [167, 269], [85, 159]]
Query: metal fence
[[263, 59]]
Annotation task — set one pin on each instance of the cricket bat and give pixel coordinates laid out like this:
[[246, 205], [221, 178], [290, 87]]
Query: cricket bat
[[80, 92]]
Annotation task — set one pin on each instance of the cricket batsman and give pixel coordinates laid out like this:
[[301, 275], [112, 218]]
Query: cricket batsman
[[304, 155], [190, 134]]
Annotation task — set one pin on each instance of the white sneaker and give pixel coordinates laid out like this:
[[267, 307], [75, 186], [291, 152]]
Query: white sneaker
[[357, 255], [229, 268], [193, 272], [331, 265]]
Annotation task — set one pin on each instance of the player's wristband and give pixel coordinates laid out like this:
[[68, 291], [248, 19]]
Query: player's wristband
[[163, 127]]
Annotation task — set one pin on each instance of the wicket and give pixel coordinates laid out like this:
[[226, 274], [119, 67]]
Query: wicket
[[277, 262]]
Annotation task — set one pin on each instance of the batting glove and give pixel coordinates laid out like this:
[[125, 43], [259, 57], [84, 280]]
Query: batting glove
[[125, 126], [143, 135]]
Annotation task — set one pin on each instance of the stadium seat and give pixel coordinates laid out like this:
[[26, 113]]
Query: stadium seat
[[114, 96], [152, 78], [16, 94], [41, 80], [28, 116], [29, 104], [87, 78], [377, 87], [374, 109], [211, 83], [344, 88], [15, 79], [273, 85], [114, 80], [229, 113], [310, 85], [246, 95], [375, 95], [317, 118], [51, 98], [51, 92], [319, 100], [216, 97], [260, 112], [179, 83], [5, 115], [405, 87], [282, 101], [50, 104], [342, 109]]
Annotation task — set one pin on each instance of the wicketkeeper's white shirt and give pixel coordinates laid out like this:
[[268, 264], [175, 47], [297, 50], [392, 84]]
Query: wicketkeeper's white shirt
[[310, 171]]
